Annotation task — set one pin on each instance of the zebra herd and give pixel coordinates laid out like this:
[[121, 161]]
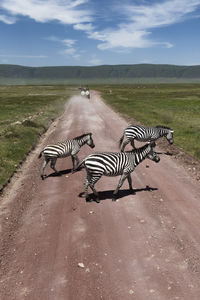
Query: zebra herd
[[108, 163]]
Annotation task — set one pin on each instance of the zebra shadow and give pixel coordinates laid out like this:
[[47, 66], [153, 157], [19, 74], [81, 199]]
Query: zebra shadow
[[166, 153], [60, 173], [106, 195]]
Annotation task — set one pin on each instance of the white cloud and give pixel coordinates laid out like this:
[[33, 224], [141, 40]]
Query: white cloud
[[69, 50], [23, 56], [7, 19], [88, 27], [160, 13], [134, 32], [68, 42], [66, 12], [125, 37], [140, 20], [95, 61]]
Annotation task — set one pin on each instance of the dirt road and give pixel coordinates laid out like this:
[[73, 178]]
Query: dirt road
[[56, 246]]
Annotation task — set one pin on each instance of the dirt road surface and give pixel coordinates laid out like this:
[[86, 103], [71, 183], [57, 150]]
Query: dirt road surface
[[56, 246]]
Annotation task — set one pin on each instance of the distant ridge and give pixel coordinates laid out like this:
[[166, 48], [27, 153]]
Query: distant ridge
[[124, 73]]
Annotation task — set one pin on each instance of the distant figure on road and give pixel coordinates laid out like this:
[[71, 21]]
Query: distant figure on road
[[85, 92]]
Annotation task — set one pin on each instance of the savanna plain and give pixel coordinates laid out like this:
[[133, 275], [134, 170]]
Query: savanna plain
[[27, 111], [56, 245]]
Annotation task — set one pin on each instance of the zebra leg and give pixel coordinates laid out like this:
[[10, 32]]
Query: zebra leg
[[75, 158], [132, 143], [93, 189], [91, 182], [53, 162], [130, 183], [86, 184], [72, 162], [46, 160], [121, 181], [124, 145]]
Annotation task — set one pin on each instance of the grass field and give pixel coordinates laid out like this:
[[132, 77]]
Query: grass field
[[176, 106], [25, 113]]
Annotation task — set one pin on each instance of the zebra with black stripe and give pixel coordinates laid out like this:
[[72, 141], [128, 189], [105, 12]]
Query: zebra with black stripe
[[115, 164], [145, 134], [64, 149]]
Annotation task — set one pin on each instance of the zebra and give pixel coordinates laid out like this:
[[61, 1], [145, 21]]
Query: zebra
[[145, 134], [64, 149], [114, 164]]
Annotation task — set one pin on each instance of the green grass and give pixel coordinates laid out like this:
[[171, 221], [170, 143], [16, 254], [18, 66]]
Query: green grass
[[173, 105], [25, 113]]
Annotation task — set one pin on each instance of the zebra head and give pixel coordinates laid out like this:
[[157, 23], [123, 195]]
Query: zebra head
[[166, 132], [152, 153], [169, 136], [90, 141]]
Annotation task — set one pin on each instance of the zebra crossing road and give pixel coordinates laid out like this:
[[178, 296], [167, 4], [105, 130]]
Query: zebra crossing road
[[56, 246]]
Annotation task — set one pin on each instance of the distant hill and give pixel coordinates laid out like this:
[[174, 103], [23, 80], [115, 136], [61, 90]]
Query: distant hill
[[105, 73]]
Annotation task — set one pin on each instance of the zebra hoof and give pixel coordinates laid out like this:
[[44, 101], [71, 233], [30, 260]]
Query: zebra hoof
[[97, 201], [114, 199], [132, 191], [88, 199]]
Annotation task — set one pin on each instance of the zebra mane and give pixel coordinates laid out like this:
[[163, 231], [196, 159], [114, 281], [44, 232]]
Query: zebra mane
[[163, 127], [83, 135]]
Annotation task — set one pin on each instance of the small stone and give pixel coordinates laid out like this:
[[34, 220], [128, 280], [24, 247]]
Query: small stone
[[81, 265], [87, 270]]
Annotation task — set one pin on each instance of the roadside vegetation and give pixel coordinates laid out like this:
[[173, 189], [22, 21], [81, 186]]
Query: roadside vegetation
[[176, 106], [25, 113]]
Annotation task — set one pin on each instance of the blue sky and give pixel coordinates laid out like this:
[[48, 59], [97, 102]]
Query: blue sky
[[97, 32]]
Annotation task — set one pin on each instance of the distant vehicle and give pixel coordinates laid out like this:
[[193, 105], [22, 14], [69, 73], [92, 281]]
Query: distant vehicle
[[85, 92]]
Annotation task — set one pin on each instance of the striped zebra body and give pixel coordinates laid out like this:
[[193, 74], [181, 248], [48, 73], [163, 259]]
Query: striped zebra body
[[145, 134], [61, 149], [109, 163], [64, 149], [115, 164]]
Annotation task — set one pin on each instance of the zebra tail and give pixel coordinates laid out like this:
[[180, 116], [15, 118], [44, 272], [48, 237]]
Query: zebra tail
[[79, 167], [40, 155], [121, 140]]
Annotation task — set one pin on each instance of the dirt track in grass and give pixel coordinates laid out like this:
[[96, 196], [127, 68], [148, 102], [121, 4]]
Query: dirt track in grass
[[56, 246]]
